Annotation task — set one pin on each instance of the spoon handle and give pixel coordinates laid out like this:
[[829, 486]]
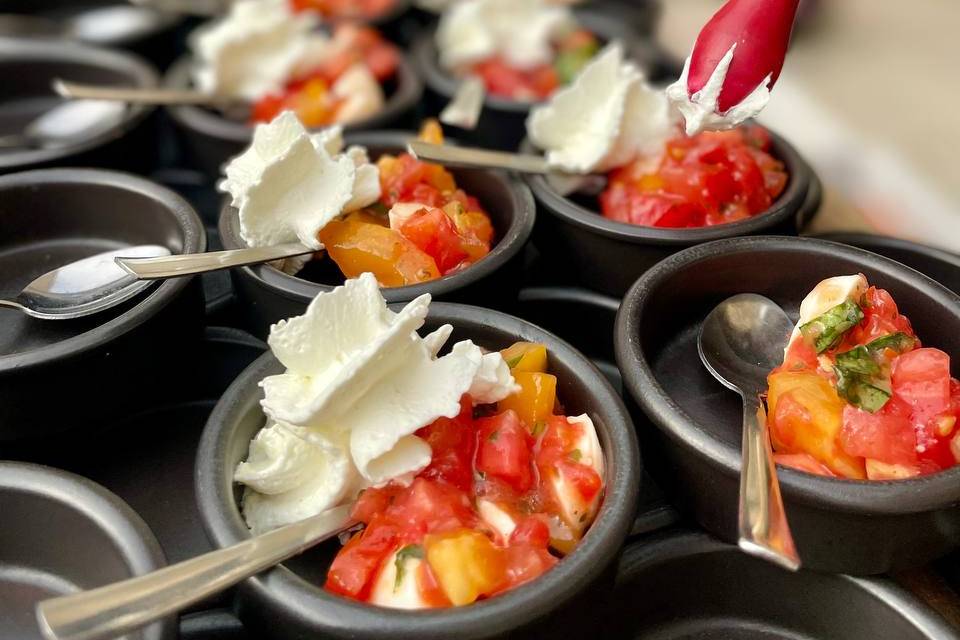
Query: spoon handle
[[464, 108], [187, 264], [133, 95], [477, 158], [763, 521], [121, 607]]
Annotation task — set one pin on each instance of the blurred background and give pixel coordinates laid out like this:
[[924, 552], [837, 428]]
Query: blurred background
[[870, 95]]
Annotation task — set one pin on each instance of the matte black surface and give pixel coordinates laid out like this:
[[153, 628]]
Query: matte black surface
[[210, 139], [266, 295], [217, 624], [942, 266], [60, 533], [608, 256], [83, 371], [27, 67], [688, 586], [286, 602], [502, 124], [693, 443]]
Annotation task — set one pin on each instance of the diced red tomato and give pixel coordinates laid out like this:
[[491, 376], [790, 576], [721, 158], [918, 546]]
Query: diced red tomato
[[504, 450], [880, 318], [533, 531], [803, 462], [711, 178], [921, 379], [886, 436], [524, 563], [434, 232], [453, 442], [355, 566]]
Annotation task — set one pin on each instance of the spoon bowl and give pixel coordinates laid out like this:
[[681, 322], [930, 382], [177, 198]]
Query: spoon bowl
[[739, 343]]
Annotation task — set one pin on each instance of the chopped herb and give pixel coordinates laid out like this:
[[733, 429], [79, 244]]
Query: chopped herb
[[539, 427], [494, 435], [859, 361], [576, 455], [407, 552], [899, 342], [512, 362], [861, 392], [569, 63], [826, 330], [378, 209]]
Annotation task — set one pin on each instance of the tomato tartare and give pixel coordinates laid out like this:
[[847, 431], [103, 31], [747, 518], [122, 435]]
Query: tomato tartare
[[511, 488], [708, 179], [423, 227], [858, 396], [345, 9], [333, 91]]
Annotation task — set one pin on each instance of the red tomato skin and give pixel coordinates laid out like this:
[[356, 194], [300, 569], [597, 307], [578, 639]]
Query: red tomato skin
[[453, 442], [524, 563], [886, 435], [433, 231], [532, 531], [355, 566], [504, 450]]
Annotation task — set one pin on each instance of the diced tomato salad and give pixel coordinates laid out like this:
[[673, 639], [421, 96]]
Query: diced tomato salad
[[872, 404], [442, 230], [501, 501], [311, 96], [708, 179], [337, 9], [573, 52]]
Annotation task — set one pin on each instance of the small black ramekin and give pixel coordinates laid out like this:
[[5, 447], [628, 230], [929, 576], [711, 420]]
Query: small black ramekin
[[288, 601], [686, 585], [27, 69], [210, 139], [62, 375], [608, 256], [844, 526], [502, 123], [61, 532], [266, 294]]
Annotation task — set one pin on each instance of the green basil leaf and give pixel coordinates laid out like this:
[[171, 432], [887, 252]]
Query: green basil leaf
[[858, 360], [899, 342], [407, 552], [826, 331]]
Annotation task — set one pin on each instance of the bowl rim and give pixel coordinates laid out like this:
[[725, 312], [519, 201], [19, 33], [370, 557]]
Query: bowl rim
[[224, 525], [639, 47], [868, 497], [142, 74], [862, 240], [667, 546], [790, 203], [126, 530], [509, 245], [194, 241], [193, 118]]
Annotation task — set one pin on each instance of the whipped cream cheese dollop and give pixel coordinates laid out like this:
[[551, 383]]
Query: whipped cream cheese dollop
[[253, 49], [605, 118], [359, 382], [701, 109], [290, 183], [520, 31]]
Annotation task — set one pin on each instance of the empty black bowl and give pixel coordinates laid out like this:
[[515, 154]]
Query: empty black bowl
[[209, 138], [502, 123], [266, 294], [688, 586], [608, 256], [856, 527], [942, 266], [288, 601], [61, 533], [27, 69], [58, 375]]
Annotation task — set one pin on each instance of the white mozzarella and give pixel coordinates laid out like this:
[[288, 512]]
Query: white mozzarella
[[402, 594]]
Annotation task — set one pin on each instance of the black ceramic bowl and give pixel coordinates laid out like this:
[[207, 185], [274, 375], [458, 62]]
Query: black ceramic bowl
[[502, 123], [942, 266], [266, 294], [287, 602], [210, 139], [608, 256], [27, 68], [686, 586], [57, 375], [105, 23], [61, 533], [856, 527]]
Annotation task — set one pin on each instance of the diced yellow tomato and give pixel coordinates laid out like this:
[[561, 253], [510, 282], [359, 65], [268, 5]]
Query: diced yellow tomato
[[526, 356], [313, 104], [439, 178], [359, 246], [877, 470], [805, 416], [466, 564], [535, 400], [431, 131]]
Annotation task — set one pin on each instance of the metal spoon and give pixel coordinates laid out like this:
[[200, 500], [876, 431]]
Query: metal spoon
[[113, 610], [740, 342], [144, 95], [104, 280], [464, 108], [66, 123], [474, 158]]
